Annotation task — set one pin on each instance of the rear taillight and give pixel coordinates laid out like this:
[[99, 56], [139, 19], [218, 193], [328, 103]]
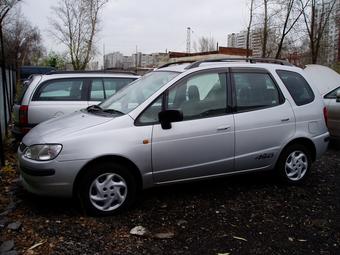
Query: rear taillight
[[23, 115], [325, 115]]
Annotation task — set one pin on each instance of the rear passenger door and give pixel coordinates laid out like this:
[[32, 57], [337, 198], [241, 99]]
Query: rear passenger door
[[264, 120], [55, 98]]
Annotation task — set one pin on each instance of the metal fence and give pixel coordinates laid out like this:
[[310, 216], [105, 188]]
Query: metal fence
[[7, 94]]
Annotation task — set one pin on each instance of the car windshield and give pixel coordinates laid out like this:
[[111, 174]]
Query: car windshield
[[137, 92]]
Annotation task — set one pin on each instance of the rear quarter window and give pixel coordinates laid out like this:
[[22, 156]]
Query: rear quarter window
[[332, 94], [21, 93], [297, 86]]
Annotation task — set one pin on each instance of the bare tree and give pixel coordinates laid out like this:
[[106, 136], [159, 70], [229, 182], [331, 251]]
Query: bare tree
[[75, 25], [22, 41], [316, 20], [265, 28], [261, 13], [5, 7], [263, 24], [205, 44], [292, 14], [251, 13]]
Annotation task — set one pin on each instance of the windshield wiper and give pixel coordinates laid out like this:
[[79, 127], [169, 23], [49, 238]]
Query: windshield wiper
[[94, 108], [98, 109], [113, 111]]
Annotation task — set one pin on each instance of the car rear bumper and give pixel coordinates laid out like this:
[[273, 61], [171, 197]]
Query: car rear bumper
[[20, 131], [321, 144]]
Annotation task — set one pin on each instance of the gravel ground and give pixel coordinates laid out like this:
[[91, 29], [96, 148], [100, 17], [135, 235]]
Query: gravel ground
[[248, 214]]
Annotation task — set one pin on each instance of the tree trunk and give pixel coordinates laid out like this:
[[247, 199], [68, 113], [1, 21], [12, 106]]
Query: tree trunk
[[265, 29], [249, 26]]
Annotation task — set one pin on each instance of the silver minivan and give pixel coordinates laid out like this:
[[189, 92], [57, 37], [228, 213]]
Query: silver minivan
[[176, 124], [59, 93]]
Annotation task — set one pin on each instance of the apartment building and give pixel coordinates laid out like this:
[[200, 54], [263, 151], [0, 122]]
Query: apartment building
[[141, 60], [113, 60], [239, 40], [331, 52]]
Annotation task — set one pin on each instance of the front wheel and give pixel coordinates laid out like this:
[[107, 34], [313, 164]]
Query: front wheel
[[106, 188], [294, 164]]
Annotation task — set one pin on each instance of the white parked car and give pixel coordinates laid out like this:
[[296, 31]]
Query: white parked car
[[59, 93]]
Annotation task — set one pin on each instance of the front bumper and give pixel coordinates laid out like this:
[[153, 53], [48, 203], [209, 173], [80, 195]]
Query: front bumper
[[49, 178]]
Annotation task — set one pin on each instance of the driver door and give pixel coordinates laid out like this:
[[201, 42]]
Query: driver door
[[203, 143]]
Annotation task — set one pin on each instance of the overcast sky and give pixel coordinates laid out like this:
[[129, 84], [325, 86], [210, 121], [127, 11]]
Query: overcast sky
[[152, 25]]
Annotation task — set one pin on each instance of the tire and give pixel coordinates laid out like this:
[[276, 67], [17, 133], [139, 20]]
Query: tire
[[294, 164], [106, 189]]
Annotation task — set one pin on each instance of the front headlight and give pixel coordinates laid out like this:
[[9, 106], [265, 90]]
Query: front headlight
[[43, 152]]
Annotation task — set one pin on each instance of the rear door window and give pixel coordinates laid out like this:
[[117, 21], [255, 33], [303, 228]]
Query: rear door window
[[255, 91], [101, 89], [112, 85], [97, 92], [297, 86], [60, 90]]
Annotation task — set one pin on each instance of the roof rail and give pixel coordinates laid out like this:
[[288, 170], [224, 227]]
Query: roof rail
[[248, 60], [92, 71], [177, 63]]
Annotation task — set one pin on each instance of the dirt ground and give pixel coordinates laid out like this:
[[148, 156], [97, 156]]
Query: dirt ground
[[247, 214]]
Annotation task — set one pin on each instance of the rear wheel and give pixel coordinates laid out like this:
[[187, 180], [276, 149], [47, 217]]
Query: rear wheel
[[106, 188], [294, 164]]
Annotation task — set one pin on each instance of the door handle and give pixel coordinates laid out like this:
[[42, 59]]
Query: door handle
[[223, 128], [284, 120]]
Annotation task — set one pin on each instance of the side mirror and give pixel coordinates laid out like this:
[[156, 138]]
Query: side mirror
[[168, 116], [338, 96]]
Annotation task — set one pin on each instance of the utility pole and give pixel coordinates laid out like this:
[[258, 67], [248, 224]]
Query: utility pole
[[136, 58], [188, 39], [338, 21], [104, 67]]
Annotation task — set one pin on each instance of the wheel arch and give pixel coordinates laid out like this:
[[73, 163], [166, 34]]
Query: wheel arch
[[308, 143], [109, 158]]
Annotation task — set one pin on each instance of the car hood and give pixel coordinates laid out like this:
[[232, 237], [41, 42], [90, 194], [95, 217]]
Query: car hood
[[64, 126], [323, 77]]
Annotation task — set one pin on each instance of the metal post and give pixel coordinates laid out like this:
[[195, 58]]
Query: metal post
[[188, 39], [2, 152]]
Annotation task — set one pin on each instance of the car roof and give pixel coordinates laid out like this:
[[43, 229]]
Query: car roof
[[174, 68], [323, 77], [203, 65], [56, 75]]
